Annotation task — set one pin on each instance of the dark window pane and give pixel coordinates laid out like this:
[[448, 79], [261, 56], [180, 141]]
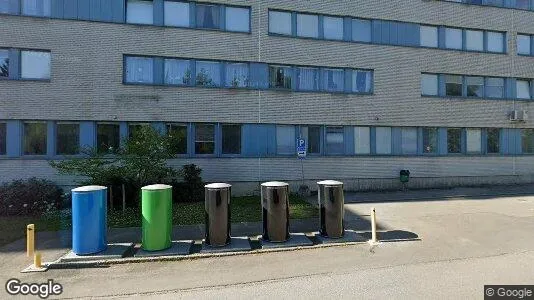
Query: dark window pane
[[454, 140], [494, 140], [4, 63], [178, 138], [231, 139], [280, 77], [430, 140], [108, 138], [208, 16], [204, 139], [495, 87], [135, 129], [527, 140], [475, 87], [34, 138], [208, 73], [314, 139], [453, 85], [68, 139], [3, 138], [334, 80]]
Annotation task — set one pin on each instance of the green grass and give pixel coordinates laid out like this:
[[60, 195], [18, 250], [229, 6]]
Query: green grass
[[244, 209]]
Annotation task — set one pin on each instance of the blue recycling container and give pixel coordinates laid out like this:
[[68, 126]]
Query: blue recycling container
[[89, 219]]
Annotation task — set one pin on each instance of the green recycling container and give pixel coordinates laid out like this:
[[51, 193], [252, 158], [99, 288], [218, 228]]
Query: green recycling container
[[156, 208]]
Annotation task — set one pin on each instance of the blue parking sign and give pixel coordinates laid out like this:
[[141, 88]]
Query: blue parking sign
[[301, 148]]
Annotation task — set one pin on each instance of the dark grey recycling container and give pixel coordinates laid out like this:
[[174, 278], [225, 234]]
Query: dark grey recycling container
[[275, 205], [217, 213], [331, 201]]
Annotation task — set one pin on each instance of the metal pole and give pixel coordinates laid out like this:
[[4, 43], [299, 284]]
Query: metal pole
[[111, 197], [374, 239], [123, 198], [30, 240], [37, 260]]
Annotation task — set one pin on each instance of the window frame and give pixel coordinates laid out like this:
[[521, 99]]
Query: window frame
[[20, 65], [188, 14], [318, 29], [219, 6], [124, 66], [294, 148], [460, 146], [249, 18], [194, 140], [126, 4], [56, 138], [221, 126], [436, 150], [530, 48], [187, 136], [23, 138], [107, 153], [291, 25], [343, 142], [437, 85]]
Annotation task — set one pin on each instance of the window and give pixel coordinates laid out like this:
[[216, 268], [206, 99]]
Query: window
[[177, 71], [494, 140], [134, 130], [35, 138], [280, 22], [499, 3], [333, 80], [4, 6], [312, 135], [67, 138], [527, 140], [108, 138], [139, 12], [495, 87], [430, 140], [237, 75], [231, 139], [208, 16], [280, 77], [334, 140], [40, 8], [473, 140], [3, 139], [454, 138], [307, 79], [361, 30], [523, 89], [409, 140], [453, 85], [205, 139], [307, 25], [176, 14], [208, 73], [453, 38], [4, 63], [177, 134], [429, 36], [523, 44], [475, 86], [429, 84], [383, 140], [474, 40], [285, 139], [361, 81], [139, 69], [362, 140], [333, 28], [495, 41], [237, 19], [522, 4], [35, 65]]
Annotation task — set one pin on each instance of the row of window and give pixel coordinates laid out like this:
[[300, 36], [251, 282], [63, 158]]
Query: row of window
[[475, 86], [191, 72], [24, 64], [518, 4], [230, 139]]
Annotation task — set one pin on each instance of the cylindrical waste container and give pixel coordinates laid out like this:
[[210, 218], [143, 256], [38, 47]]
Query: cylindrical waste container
[[217, 212], [331, 201], [89, 219], [156, 208], [275, 204]]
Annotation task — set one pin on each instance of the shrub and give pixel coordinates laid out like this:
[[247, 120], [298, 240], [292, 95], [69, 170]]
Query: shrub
[[191, 189], [29, 197]]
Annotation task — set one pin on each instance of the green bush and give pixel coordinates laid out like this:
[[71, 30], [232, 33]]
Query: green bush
[[29, 197]]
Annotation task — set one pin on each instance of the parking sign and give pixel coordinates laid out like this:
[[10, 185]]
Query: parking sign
[[301, 148]]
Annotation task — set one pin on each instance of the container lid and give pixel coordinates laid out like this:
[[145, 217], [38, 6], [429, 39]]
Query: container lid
[[217, 185], [155, 187], [274, 184], [88, 188], [330, 182]]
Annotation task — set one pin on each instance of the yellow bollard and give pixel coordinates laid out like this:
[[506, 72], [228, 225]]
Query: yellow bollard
[[37, 260], [374, 239], [30, 239]]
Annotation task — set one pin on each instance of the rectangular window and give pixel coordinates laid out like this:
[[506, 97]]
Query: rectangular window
[[430, 140], [3, 139], [362, 140], [4, 63], [176, 13], [39, 8], [453, 85], [522, 4], [361, 30], [237, 19], [67, 138], [314, 139], [361, 81], [475, 86], [523, 44], [498, 3], [280, 77], [383, 140], [280, 22], [231, 139], [453, 38], [307, 79], [208, 73], [333, 80], [494, 140], [139, 12], [308, 25], [237, 75], [523, 89], [333, 28], [527, 140], [177, 134], [495, 87], [208, 16], [35, 65], [139, 69], [454, 140], [285, 139], [429, 84], [177, 71], [4, 6], [204, 139], [409, 140], [108, 138], [334, 140], [474, 40], [35, 138], [473, 140], [495, 41], [135, 129], [429, 36]]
